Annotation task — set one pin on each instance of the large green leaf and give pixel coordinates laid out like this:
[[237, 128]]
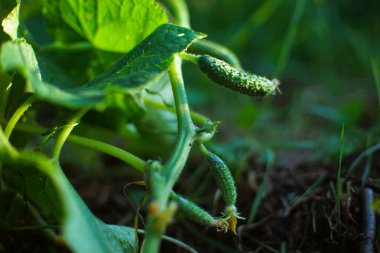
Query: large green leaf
[[36, 187], [144, 65], [56, 26], [116, 25], [82, 231], [149, 60]]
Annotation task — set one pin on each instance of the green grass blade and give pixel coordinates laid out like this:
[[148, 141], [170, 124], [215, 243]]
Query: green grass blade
[[290, 37], [339, 173], [376, 75], [364, 154], [255, 21], [174, 241], [263, 244], [366, 172], [313, 186], [260, 193], [332, 189]]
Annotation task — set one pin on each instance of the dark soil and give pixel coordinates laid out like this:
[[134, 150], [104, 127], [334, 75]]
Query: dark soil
[[304, 224]]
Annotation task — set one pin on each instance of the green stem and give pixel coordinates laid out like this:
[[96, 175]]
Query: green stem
[[62, 137], [204, 150], [109, 149], [189, 57], [186, 132], [100, 146], [6, 147], [215, 49], [196, 117], [17, 115], [175, 164], [186, 128], [11, 124]]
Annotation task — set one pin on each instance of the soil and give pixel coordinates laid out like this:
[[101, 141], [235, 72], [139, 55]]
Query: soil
[[309, 223]]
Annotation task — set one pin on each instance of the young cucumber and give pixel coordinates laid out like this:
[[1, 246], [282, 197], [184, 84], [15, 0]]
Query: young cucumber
[[193, 211], [234, 79], [223, 178], [197, 214], [226, 185]]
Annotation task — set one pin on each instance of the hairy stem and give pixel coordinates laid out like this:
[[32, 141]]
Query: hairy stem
[[172, 169], [186, 133], [186, 128]]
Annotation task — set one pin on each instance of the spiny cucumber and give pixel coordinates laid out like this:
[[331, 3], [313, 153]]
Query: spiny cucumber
[[223, 178], [226, 185], [197, 214], [194, 212], [234, 79]]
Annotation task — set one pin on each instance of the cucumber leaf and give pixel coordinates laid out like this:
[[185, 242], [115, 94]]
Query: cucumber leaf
[[36, 187], [142, 66], [81, 230], [116, 26]]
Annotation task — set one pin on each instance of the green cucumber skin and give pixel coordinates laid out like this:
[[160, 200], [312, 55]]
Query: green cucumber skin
[[234, 79], [195, 212], [223, 179]]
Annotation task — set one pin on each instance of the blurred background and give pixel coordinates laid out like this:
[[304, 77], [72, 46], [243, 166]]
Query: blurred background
[[326, 55], [282, 150], [285, 149]]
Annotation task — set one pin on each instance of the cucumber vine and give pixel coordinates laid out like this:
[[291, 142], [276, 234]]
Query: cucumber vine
[[123, 86]]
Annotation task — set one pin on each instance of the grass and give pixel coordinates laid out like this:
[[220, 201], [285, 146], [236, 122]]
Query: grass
[[367, 152], [376, 76], [258, 18], [290, 38], [338, 199], [261, 191]]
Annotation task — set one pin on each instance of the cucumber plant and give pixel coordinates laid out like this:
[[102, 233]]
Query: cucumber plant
[[230, 77], [31, 77]]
